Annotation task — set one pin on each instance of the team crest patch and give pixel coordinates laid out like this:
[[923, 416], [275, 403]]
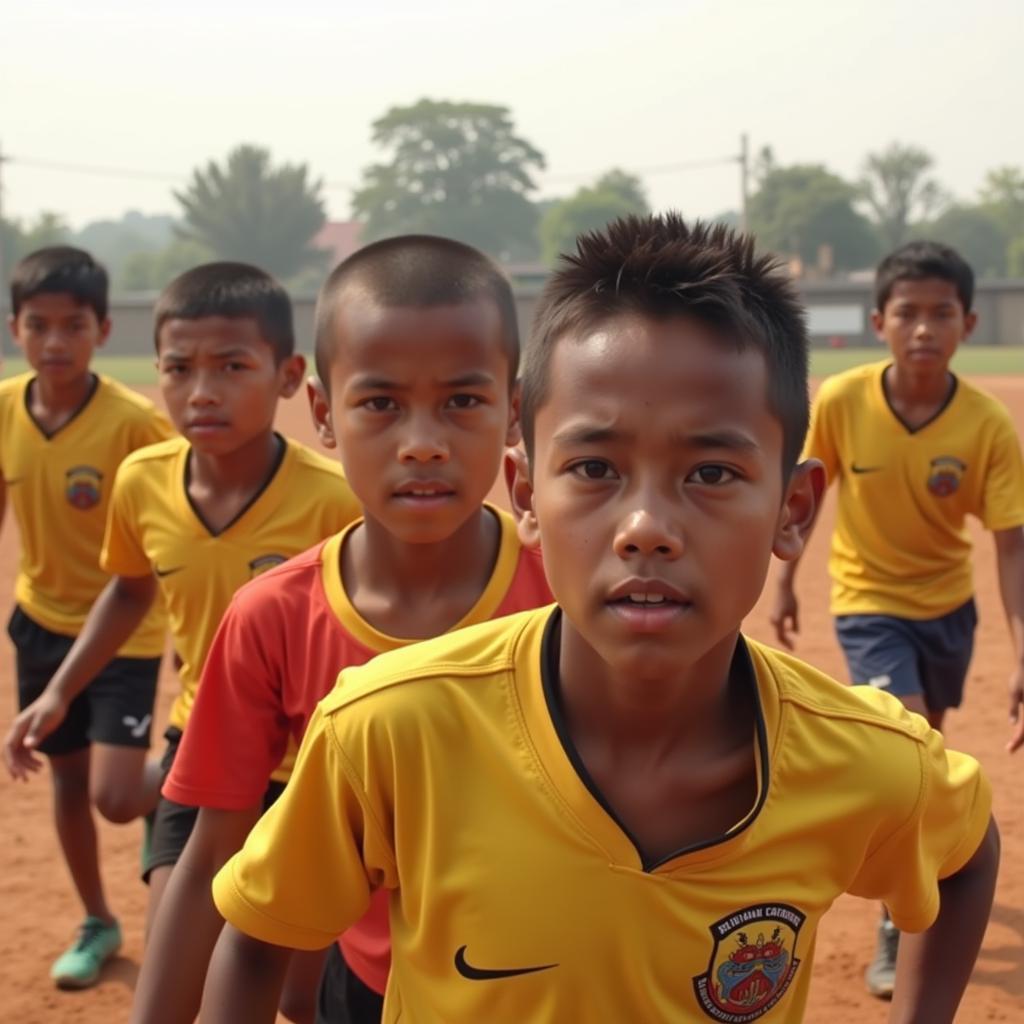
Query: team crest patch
[[752, 963], [263, 563], [82, 486], [944, 475]]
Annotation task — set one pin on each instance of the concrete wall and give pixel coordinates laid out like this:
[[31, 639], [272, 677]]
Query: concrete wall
[[837, 310]]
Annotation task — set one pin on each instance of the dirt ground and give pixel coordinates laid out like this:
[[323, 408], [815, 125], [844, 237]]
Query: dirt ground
[[40, 913]]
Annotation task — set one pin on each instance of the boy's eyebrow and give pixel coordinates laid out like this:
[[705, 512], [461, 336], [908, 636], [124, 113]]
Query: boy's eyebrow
[[725, 438], [584, 434], [474, 378]]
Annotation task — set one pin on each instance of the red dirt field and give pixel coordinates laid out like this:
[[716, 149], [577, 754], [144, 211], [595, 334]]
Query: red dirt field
[[40, 911]]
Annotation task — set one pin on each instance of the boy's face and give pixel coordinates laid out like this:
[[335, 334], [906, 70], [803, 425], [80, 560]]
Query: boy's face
[[923, 322], [58, 336], [657, 492], [421, 411], [221, 382]]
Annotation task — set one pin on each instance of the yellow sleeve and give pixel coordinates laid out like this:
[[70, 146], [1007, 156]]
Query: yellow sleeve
[[156, 428], [821, 443], [941, 835], [307, 870], [1004, 482], [122, 553]]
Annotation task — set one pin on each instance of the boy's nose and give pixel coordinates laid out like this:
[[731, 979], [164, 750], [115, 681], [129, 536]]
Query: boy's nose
[[644, 532], [423, 441]]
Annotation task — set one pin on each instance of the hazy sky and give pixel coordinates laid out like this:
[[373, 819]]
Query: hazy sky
[[159, 87]]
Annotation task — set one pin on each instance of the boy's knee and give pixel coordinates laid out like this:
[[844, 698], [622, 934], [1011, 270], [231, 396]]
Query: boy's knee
[[117, 806], [298, 1006]]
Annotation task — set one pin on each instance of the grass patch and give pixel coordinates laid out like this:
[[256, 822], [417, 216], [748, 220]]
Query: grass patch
[[989, 360]]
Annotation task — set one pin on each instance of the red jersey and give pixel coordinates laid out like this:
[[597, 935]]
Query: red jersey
[[277, 654]]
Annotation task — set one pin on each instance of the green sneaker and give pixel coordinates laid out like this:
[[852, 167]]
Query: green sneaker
[[80, 966]]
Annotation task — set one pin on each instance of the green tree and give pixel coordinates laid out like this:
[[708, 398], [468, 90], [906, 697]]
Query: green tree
[[590, 208], [249, 210], [151, 271], [802, 207], [456, 169], [18, 239], [1003, 194], [975, 233], [899, 191]]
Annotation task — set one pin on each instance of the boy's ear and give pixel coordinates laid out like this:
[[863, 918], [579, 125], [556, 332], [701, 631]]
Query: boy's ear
[[320, 409], [970, 322], [800, 508], [514, 434], [104, 331], [520, 492], [292, 370], [877, 319]]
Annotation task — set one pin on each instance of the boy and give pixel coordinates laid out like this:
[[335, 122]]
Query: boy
[[618, 808], [196, 517], [417, 352], [915, 450], [63, 432]]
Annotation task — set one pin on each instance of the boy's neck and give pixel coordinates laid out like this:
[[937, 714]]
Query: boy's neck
[[220, 486], [926, 389], [416, 591], [52, 405]]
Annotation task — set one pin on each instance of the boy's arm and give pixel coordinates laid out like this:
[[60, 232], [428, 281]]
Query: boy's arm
[[934, 966], [1010, 561], [244, 981], [170, 985], [118, 610]]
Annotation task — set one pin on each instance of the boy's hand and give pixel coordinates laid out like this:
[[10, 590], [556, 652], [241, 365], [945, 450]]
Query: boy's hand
[[30, 728], [785, 617], [1016, 710]]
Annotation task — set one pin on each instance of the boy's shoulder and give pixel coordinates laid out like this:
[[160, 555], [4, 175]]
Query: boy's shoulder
[[305, 460], [13, 388], [469, 655], [979, 404], [851, 384], [807, 691], [152, 456], [128, 401], [291, 581]]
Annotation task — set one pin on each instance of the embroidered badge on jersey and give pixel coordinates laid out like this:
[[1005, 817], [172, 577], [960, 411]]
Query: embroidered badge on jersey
[[752, 963], [82, 486], [263, 563], [944, 475]]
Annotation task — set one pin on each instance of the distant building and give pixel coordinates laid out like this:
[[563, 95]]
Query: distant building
[[340, 238]]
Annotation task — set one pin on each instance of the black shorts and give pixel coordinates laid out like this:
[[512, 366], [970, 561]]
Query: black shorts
[[173, 822], [343, 997], [115, 708], [927, 658]]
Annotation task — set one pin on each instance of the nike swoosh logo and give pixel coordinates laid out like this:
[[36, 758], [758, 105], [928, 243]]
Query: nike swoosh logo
[[488, 974], [854, 468], [167, 572]]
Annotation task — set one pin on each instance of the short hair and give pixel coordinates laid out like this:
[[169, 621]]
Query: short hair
[[64, 270], [921, 259], [660, 267], [417, 272], [234, 290]]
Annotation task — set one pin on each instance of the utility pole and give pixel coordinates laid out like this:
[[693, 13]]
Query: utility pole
[[744, 162]]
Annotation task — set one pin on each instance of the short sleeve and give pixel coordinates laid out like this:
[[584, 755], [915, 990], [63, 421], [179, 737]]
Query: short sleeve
[[1004, 481], [941, 835], [820, 443], [236, 732], [307, 870], [122, 553]]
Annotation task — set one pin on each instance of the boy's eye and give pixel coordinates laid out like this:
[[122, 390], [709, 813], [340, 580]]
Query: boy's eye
[[593, 469], [380, 403], [463, 402], [711, 475], [234, 367]]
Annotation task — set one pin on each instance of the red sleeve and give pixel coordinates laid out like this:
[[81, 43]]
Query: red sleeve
[[237, 733]]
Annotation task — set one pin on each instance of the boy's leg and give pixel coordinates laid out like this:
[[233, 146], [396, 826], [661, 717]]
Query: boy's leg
[[945, 647], [38, 654], [125, 785], [882, 651], [299, 995]]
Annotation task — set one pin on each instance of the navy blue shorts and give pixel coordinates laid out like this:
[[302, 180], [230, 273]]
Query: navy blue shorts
[[116, 708], [928, 658]]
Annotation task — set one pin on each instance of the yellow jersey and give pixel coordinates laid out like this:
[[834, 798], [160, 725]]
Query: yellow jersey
[[445, 774], [900, 545], [154, 528], [59, 486]]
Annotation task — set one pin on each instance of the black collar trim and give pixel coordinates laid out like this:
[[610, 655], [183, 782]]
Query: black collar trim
[[934, 416], [49, 435], [742, 666]]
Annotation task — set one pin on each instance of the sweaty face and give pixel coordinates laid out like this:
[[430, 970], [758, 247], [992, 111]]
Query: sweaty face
[[421, 411], [58, 336], [657, 488], [220, 381], [923, 322]]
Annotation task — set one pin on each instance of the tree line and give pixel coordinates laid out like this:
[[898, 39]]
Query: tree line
[[462, 169]]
